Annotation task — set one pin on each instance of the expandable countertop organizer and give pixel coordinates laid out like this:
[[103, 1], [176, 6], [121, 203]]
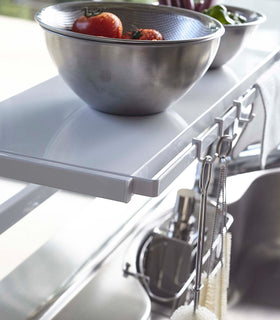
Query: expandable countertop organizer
[[51, 138]]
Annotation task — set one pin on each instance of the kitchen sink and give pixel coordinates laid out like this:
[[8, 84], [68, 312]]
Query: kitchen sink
[[255, 268]]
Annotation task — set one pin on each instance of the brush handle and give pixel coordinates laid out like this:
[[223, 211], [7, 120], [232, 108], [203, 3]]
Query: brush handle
[[200, 245], [205, 178]]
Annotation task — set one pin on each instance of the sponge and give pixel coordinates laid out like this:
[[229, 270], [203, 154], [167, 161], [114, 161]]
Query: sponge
[[186, 313]]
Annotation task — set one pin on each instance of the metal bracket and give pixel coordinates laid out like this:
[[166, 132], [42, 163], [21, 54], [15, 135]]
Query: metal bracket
[[134, 274], [243, 103], [225, 121], [203, 142]]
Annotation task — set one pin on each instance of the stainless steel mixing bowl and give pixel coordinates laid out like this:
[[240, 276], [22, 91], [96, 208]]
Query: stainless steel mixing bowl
[[236, 36], [131, 77]]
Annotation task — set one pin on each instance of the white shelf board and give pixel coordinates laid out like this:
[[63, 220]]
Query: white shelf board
[[48, 136], [56, 140]]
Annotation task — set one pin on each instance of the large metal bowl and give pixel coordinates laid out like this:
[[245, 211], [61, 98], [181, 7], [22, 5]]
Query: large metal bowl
[[131, 77], [236, 36]]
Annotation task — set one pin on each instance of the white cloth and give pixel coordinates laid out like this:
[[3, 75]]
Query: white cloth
[[265, 127]]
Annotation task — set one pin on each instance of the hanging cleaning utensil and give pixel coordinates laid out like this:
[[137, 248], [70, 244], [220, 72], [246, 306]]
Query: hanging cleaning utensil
[[194, 311], [226, 236], [204, 181], [214, 293], [211, 302]]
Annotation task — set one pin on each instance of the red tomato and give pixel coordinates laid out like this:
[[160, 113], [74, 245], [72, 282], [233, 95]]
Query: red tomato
[[104, 24], [143, 34]]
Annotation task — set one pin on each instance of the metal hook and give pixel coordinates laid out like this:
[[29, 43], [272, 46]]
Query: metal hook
[[219, 149], [199, 143], [245, 101], [206, 172]]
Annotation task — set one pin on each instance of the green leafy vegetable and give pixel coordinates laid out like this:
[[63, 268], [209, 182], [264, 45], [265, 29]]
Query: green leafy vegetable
[[221, 13]]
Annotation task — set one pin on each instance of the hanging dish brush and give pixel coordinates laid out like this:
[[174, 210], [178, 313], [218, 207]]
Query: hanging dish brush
[[194, 311], [216, 281], [210, 301]]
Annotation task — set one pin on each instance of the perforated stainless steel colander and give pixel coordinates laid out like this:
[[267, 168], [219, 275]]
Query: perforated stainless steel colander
[[131, 77]]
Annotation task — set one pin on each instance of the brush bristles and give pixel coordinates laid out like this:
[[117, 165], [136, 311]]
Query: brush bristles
[[213, 295], [215, 286]]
